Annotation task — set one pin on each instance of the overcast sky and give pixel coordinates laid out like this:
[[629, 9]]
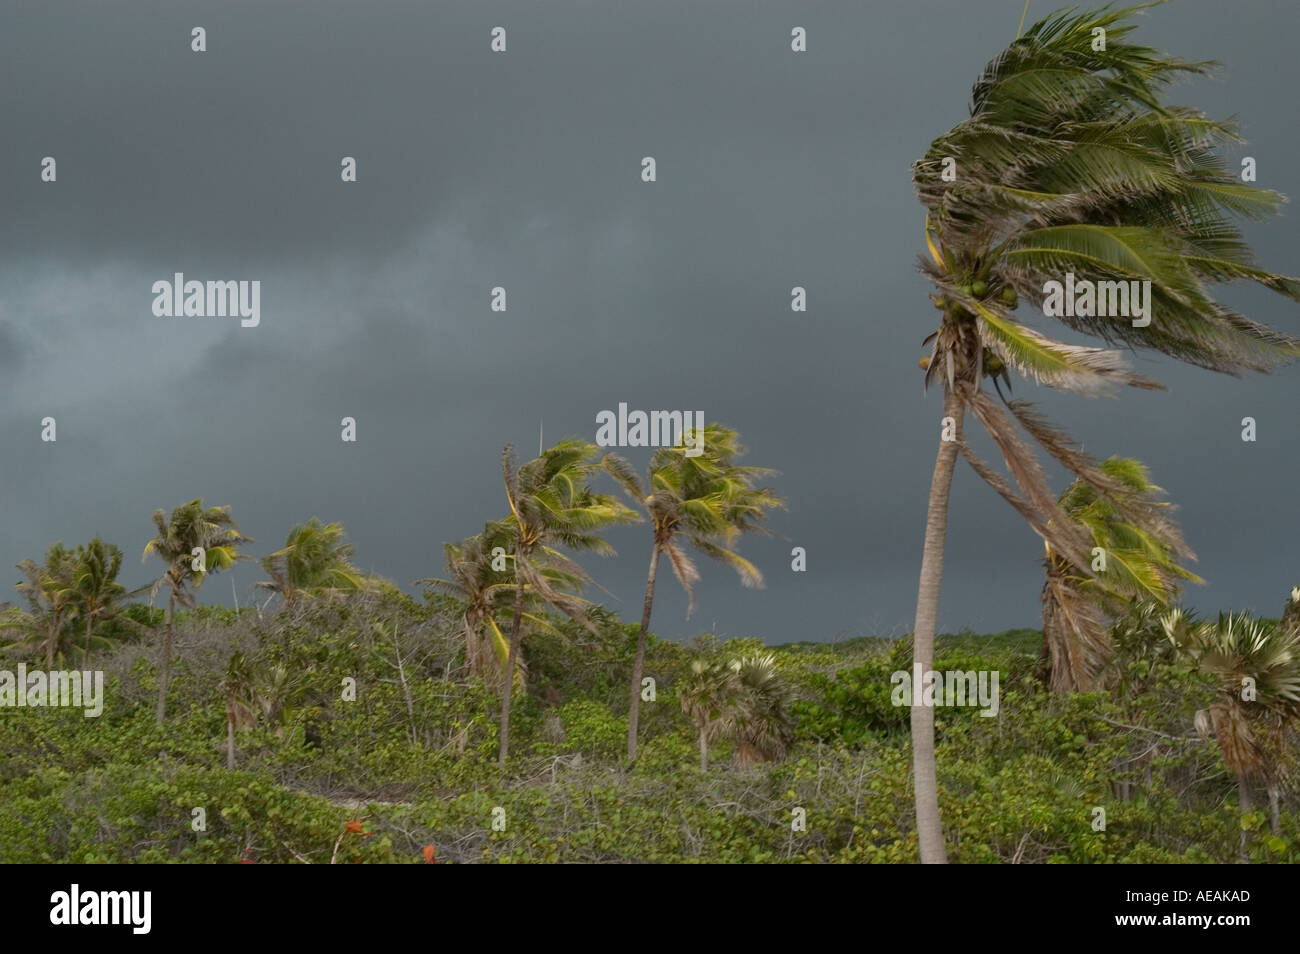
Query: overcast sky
[[522, 170]]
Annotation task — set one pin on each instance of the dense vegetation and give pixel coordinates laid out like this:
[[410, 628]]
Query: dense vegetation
[[412, 759]]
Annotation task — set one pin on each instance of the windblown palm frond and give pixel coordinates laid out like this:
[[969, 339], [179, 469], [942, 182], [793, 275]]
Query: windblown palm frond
[[1134, 549], [315, 561]]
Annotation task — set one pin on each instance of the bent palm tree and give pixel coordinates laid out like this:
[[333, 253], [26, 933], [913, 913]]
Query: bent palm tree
[[1071, 166], [315, 561], [481, 576], [550, 503], [49, 589], [96, 591], [1130, 563], [192, 543], [707, 501]]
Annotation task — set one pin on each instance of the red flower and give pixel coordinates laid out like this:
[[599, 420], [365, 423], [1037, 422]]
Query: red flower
[[427, 851], [353, 826]]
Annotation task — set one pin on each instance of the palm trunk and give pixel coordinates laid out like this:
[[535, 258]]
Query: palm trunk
[[473, 657], [1274, 810], [230, 737], [929, 827], [164, 671], [52, 641], [90, 626], [508, 677], [704, 751], [638, 665], [1244, 804]]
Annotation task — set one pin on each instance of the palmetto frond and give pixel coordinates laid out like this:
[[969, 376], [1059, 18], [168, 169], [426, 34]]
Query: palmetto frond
[[759, 722], [1257, 667]]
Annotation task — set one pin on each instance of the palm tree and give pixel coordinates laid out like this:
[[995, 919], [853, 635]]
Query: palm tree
[[190, 528], [1140, 564], [488, 591], [707, 501], [96, 592], [760, 724], [707, 696], [1070, 164], [49, 591], [550, 503], [237, 686], [1256, 666], [315, 561]]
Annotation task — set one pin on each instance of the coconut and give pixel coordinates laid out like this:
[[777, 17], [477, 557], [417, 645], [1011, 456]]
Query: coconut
[[980, 289]]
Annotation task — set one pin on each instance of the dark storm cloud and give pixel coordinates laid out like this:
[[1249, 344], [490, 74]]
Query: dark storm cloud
[[522, 170]]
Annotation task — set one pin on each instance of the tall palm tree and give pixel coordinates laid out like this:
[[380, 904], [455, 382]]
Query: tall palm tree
[[1070, 163], [49, 590], [551, 504], [1141, 563], [191, 526], [1257, 668], [706, 501], [488, 592], [315, 561]]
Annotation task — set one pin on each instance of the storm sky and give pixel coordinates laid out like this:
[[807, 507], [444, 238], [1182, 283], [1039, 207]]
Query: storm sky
[[522, 170]]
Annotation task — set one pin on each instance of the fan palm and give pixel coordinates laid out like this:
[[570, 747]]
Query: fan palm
[[759, 723], [1257, 668], [707, 696], [551, 504], [706, 501], [190, 529], [1140, 564], [315, 561], [1070, 163]]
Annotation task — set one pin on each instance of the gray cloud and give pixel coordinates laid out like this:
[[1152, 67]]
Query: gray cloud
[[522, 170]]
